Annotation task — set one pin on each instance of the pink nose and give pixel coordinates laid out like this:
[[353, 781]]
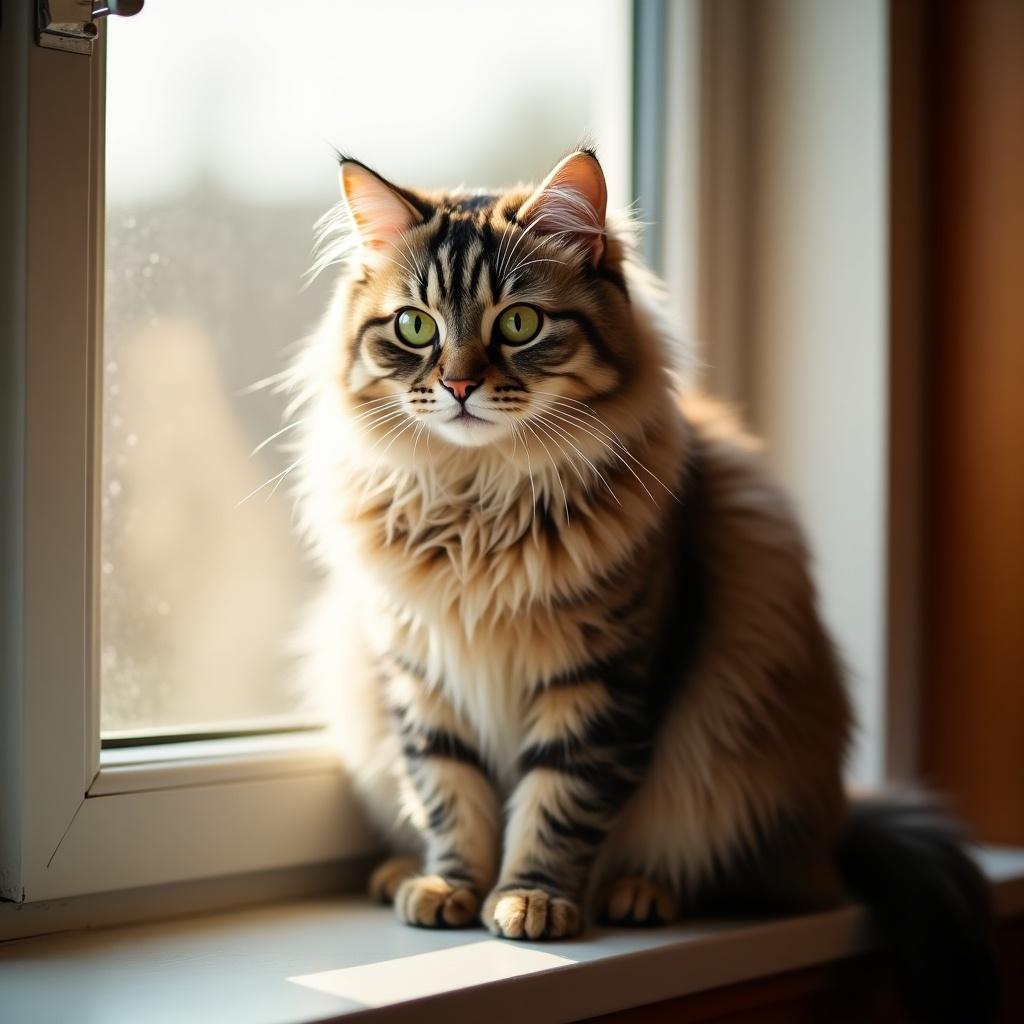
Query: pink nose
[[461, 389]]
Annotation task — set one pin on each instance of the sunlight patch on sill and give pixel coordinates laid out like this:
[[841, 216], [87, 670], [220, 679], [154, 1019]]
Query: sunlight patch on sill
[[430, 974]]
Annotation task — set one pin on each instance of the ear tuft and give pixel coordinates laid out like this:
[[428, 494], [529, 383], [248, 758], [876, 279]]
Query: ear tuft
[[571, 202], [379, 212]]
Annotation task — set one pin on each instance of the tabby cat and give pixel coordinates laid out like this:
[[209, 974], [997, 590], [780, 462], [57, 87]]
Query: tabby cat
[[569, 636]]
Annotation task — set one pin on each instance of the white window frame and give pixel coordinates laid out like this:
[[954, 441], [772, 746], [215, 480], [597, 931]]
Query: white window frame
[[73, 822]]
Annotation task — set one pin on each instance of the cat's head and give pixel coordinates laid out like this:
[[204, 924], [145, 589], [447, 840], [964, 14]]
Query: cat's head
[[482, 318]]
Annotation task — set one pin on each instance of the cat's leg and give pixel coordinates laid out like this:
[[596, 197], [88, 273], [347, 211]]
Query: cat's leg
[[583, 755], [387, 877], [452, 802], [636, 880], [637, 900], [716, 836]]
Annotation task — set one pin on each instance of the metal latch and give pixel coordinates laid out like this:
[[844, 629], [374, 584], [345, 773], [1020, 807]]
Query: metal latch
[[71, 24]]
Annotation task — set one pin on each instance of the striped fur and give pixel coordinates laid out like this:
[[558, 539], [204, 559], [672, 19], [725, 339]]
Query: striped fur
[[571, 653]]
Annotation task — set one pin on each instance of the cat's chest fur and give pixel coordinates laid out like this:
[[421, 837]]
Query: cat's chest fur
[[471, 599]]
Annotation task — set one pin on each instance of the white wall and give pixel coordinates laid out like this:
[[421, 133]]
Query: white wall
[[817, 366]]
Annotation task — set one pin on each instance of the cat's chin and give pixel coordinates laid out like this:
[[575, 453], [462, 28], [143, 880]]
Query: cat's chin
[[471, 433]]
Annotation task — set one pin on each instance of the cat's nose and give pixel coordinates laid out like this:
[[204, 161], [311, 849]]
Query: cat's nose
[[461, 389]]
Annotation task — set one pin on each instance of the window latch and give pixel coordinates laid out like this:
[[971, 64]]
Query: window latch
[[71, 24]]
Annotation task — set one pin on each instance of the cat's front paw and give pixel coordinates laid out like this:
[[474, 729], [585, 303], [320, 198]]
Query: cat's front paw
[[432, 902], [531, 914], [639, 901]]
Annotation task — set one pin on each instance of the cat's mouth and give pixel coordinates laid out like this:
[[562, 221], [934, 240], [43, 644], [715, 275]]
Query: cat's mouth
[[465, 416]]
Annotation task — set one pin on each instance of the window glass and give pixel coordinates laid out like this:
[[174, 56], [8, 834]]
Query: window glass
[[220, 123]]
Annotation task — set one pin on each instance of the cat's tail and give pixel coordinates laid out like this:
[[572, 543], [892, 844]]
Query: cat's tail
[[929, 903]]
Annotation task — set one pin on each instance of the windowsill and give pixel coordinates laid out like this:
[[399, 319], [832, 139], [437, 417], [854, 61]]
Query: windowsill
[[343, 958]]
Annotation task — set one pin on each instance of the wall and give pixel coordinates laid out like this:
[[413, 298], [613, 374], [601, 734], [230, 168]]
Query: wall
[[812, 263]]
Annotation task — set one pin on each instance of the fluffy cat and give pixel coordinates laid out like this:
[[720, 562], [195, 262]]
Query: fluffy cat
[[569, 640]]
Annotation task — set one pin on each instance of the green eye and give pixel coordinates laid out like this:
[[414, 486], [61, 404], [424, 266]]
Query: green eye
[[416, 328], [519, 324]]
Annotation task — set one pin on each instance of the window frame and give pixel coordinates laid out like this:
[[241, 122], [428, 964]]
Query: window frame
[[75, 822]]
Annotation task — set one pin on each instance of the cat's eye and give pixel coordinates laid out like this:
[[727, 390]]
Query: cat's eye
[[519, 324], [416, 328]]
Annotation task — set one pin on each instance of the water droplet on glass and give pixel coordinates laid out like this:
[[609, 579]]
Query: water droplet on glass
[[114, 487], [108, 568]]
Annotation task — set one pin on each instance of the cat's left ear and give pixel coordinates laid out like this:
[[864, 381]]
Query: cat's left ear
[[571, 202], [379, 211]]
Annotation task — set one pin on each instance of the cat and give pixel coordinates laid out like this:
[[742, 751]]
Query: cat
[[569, 641]]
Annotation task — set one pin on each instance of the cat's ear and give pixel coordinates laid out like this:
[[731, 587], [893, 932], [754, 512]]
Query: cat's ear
[[571, 202], [379, 211]]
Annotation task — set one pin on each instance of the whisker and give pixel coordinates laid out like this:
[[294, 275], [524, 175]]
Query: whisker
[[283, 477], [412, 267], [411, 254], [400, 427], [583, 456], [420, 427], [548, 433], [522, 266], [582, 425], [411, 423], [536, 248], [577, 407], [540, 244], [385, 418], [558, 475], [546, 238], [375, 401], [546, 427], [266, 382], [405, 262], [508, 258], [586, 409], [385, 256], [266, 483], [501, 245], [393, 403], [273, 437], [376, 411], [529, 468]]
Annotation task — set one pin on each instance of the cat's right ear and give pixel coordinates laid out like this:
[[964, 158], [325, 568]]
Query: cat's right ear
[[380, 213]]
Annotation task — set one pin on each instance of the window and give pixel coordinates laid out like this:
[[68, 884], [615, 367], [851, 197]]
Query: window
[[161, 738], [212, 188]]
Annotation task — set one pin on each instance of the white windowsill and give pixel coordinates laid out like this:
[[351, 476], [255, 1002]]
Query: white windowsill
[[342, 958], [206, 762]]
